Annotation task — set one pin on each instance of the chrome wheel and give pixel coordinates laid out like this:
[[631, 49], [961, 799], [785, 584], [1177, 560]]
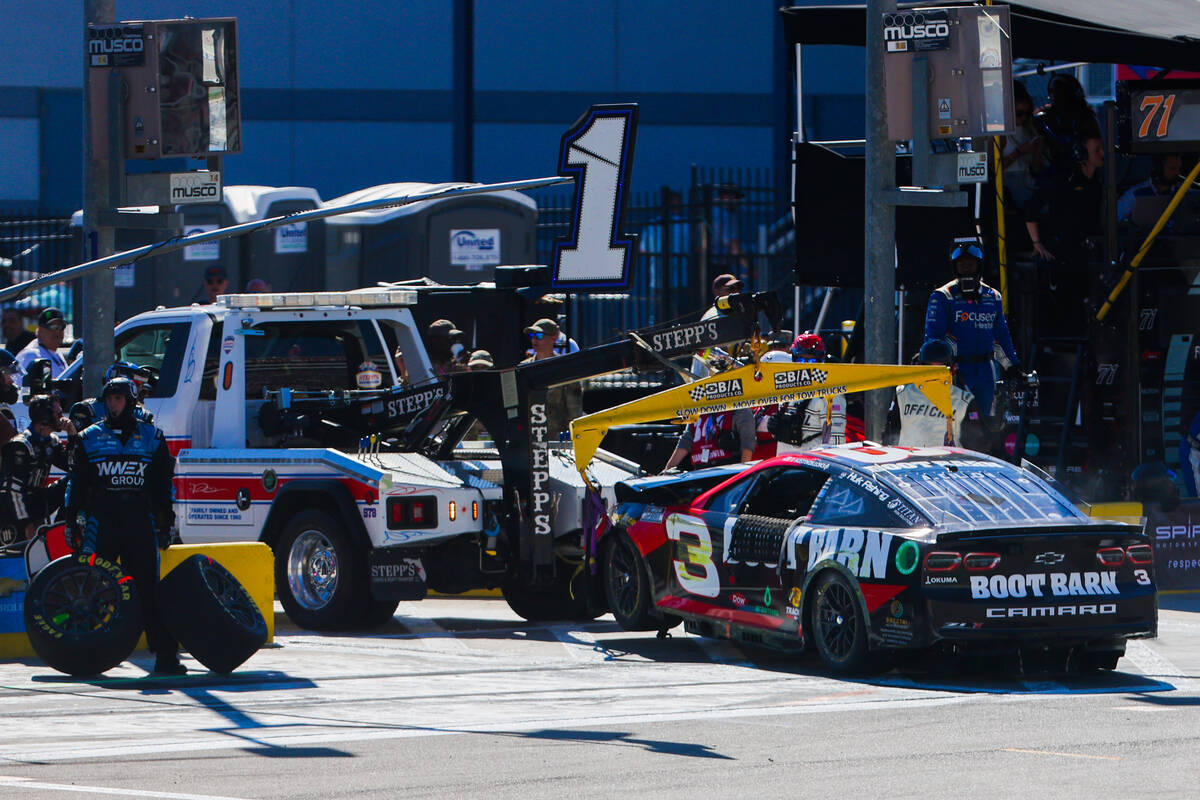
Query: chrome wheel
[[312, 570]]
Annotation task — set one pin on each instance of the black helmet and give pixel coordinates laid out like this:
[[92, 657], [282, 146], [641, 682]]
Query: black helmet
[[41, 410], [119, 386], [81, 415], [936, 351]]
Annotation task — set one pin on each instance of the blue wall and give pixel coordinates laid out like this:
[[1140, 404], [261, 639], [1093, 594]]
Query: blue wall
[[340, 95]]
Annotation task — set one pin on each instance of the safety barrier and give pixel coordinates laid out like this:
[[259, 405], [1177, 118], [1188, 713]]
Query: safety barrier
[[250, 562]]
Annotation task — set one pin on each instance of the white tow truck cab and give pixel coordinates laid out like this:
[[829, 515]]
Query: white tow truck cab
[[349, 521]]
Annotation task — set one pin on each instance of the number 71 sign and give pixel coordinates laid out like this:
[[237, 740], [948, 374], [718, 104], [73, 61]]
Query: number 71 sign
[[597, 151]]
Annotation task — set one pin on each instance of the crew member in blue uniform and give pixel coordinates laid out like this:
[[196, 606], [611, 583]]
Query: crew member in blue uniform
[[90, 411], [968, 315], [119, 505]]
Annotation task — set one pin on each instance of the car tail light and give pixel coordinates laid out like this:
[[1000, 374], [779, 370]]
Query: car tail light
[[981, 562], [1140, 554], [938, 561], [411, 512], [1110, 556]]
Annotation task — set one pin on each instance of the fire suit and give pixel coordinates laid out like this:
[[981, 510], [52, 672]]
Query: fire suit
[[119, 493], [25, 463], [977, 333]]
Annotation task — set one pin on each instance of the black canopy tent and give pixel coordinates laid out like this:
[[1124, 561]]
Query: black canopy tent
[[1096, 31], [1158, 32]]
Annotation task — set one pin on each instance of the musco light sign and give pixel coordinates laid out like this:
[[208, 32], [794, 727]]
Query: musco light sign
[[116, 46], [195, 187], [916, 31]]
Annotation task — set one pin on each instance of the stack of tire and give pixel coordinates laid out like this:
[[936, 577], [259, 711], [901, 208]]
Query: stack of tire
[[83, 614]]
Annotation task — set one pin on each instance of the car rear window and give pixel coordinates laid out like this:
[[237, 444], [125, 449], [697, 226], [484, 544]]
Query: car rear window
[[979, 493]]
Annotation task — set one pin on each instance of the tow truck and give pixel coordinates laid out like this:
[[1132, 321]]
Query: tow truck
[[290, 426]]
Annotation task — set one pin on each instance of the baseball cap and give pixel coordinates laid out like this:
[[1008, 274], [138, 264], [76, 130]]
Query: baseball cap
[[443, 327], [543, 325], [726, 281], [216, 271], [49, 315], [481, 359]]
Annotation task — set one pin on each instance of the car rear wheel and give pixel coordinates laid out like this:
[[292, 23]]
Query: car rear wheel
[[318, 572], [839, 627], [628, 589]]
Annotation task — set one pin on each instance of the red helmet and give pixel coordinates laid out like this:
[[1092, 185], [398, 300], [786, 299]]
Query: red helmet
[[808, 346]]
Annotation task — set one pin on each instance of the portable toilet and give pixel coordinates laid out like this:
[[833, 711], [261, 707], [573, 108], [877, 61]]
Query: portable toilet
[[452, 240], [290, 258]]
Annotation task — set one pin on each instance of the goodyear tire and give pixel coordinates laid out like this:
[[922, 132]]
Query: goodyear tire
[[319, 573], [82, 614], [839, 626], [627, 584], [211, 614]]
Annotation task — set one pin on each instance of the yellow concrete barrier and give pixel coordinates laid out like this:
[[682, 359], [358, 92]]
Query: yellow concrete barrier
[[250, 562]]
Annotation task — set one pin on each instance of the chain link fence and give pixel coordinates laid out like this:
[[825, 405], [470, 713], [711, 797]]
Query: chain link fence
[[32, 244], [726, 221]]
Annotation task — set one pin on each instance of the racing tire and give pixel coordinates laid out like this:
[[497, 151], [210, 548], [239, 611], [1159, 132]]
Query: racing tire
[[211, 614], [839, 626], [83, 614], [319, 572], [563, 601], [627, 585]]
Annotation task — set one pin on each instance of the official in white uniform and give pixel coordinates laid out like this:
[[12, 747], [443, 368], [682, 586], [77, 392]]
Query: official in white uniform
[[51, 329], [921, 423]]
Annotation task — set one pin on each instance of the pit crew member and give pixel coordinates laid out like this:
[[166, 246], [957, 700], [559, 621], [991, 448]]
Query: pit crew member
[[25, 462]]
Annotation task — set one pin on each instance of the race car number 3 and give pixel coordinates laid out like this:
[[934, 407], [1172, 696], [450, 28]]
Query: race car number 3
[[696, 572]]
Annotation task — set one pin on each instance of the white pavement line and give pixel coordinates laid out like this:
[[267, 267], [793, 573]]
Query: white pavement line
[[119, 750], [580, 645], [722, 651], [1155, 665], [25, 783], [430, 634]]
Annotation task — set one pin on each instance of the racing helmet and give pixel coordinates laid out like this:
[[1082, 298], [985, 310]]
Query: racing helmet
[[936, 351], [969, 283], [122, 387], [41, 411], [808, 347], [775, 357]]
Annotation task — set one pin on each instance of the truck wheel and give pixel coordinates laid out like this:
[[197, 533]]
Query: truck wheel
[[627, 584], [839, 626], [211, 614], [375, 613], [548, 603], [318, 572], [82, 614]]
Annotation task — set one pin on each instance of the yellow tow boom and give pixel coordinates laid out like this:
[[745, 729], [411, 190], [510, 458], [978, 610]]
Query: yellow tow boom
[[758, 385]]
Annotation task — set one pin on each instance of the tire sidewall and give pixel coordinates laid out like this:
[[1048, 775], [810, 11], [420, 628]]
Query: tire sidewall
[[640, 618], [857, 659]]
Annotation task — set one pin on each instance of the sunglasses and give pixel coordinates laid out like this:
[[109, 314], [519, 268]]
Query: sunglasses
[[56, 325], [538, 335]]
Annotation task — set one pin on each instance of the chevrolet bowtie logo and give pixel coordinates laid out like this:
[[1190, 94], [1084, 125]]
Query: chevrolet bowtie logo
[[1049, 559]]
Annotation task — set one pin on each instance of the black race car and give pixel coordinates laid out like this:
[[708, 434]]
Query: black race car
[[863, 549]]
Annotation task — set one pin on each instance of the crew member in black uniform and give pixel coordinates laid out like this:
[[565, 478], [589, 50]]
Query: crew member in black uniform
[[119, 505], [26, 501]]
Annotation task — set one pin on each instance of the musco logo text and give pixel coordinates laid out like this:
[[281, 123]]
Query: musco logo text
[[716, 390], [916, 31], [1057, 584]]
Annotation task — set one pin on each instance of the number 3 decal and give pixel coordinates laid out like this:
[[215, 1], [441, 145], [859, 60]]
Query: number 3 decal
[[1142, 576], [696, 571], [598, 152]]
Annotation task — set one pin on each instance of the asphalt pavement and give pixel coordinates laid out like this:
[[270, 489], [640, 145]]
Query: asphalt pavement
[[457, 697]]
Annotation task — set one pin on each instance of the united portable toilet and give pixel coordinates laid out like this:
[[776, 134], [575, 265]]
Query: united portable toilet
[[452, 240], [290, 258]]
